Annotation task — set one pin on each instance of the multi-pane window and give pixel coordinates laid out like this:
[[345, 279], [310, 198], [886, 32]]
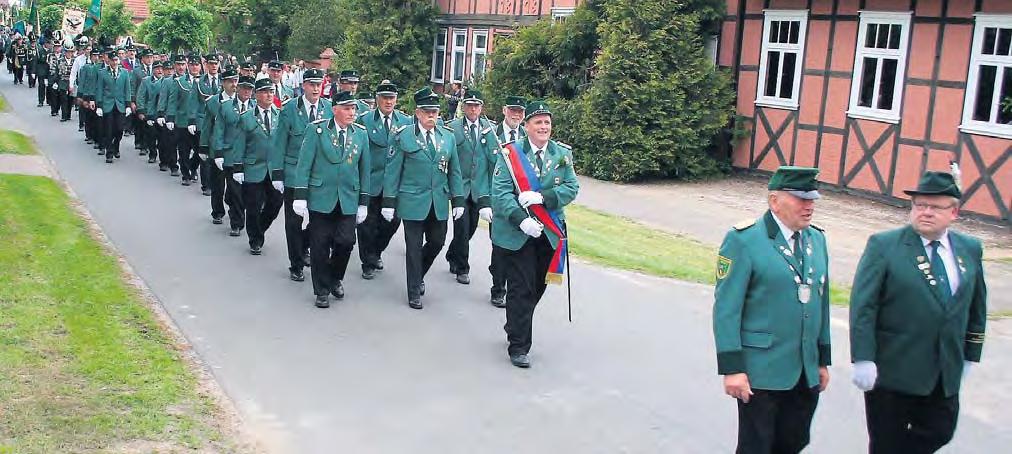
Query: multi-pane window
[[988, 105], [879, 65], [479, 50], [783, 52], [439, 56], [459, 52]]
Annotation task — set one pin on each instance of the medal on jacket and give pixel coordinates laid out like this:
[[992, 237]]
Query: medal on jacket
[[443, 164], [801, 279], [804, 291]]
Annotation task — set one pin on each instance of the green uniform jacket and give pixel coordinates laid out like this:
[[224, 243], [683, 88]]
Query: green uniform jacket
[[328, 171], [760, 326], [178, 107], [42, 61], [211, 109], [226, 130], [113, 93], [86, 79], [137, 76], [900, 323], [201, 92], [147, 94], [558, 187], [254, 146], [291, 129], [379, 144], [475, 158], [417, 180], [165, 92]]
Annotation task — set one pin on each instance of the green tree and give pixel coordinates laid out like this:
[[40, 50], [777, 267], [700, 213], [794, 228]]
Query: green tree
[[116, 21], [656, 102], [254, 27], [389, 39], [176, 25], [310, 34], [229, 16], [51, 17]]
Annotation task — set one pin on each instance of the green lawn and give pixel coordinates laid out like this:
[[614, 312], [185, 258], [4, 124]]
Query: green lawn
[[13, 142], [3, 104], [84, 366], [626, 244]]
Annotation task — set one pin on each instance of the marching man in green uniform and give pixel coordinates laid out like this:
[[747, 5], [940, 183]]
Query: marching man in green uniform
[[179, 111], [510, 130], [375, 232], [330, 185], [226, 131], [167, 93], [86, 80], [281, 93], [217, 174], [917, 316], [771, 317], [348, 80], [475, 143], [112, 95], [206, 87], [255, 151], [142, 131], [421, 180], [295, 115]]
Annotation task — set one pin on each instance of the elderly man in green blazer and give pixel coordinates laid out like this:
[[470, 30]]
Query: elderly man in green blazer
[[771, 316], [225, 132], [256, 153], [295, 115], [113, 92], [917, 316], [526, 245], [330, 184], [217, 176], [422, 179]]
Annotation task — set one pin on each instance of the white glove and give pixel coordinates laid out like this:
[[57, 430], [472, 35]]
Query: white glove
[[300, 207], [388, 214], [170, 125], [485, 214], [99, 111], [361, 214], [202, 156], [161, 121], [238, 177], [865, 374], [531, 228], [151, 122], [458, 212], [528, 198], [966, 368], [220, 163], [54, 86], [128, 111], [192, 129], [278, 186]]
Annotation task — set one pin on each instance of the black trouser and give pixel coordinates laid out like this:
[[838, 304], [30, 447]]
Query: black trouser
[[419, 256], [233, 198], [42, 89], [263, 203], [497, 268], [775, 422], [113, 131], [185, 144], [66, 104], [31, 76], [298, 239], [81, 115], [167, 148], [201, 162], [463, 230], [19, 75], [904, 423], [525, 269], [331, 238], [217, 183], [374, 234], [140, 132]]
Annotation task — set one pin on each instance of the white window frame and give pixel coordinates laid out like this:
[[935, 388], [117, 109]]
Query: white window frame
[[800, 15], [475, 51], [453, 55], [977, 59], [860, 52], [560, 13], [437, 74]]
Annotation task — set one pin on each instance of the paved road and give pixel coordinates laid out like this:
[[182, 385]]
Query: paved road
[[634, 373]]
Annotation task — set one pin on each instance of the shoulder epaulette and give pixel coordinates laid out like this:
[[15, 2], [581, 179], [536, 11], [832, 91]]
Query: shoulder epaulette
[[358, 126], [564, 145], [447, 128], [400, 128], [817, 228], [486, 130], [285, 102], [744, 224], [320, 120]]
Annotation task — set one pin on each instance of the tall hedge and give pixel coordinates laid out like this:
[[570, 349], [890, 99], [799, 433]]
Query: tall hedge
[[656, 103]]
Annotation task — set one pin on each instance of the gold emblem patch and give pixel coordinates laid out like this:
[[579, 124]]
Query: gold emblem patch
[[723, 267]]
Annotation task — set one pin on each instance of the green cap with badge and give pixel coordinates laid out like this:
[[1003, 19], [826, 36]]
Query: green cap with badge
[[472, 96], [247, 81], [937, 183], [426, 99], [798, 181], [537, 107], [264, 84], [341, 98], [313, 75], [515, 101], [386, 88]]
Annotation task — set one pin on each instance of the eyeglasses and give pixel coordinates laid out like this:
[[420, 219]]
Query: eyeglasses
[[921, 206]]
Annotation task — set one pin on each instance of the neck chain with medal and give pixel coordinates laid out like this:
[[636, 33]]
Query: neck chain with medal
[[802, 277]]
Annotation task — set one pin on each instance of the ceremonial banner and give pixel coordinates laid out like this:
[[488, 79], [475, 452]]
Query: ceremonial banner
[[526, 179], [94, 15], [73, 22]]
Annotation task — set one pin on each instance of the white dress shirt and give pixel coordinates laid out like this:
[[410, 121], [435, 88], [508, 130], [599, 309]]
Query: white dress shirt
[[786, 232], [948, 258]]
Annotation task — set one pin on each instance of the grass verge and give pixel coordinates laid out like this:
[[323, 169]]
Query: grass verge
[[3, 104], [84, 366], [13, 142], [622, 243]]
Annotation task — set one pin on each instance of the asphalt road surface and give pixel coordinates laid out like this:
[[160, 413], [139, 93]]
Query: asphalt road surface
[[633, 373]]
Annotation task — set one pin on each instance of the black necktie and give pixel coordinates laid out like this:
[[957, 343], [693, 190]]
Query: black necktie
[[386, 122], [938, 269], [267, 121], [513, 135], [340, 138], [798, 254], [474, 133], [428, 141], [540, 161], [312, 113]]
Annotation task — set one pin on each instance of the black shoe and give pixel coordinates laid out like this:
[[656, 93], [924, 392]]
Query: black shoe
[[321, 301], [296, 275], [462, 278], [53, 115], [80, 128], [216, 221], [233, 232], [175, 173], [186, 182], [255, 250], [100, 151], [152, 161], [498, 301], [63, 119], [108, 160], [369, 274], [206, 192], [163, 169], [40, 105], [415, 303], [520, 361], [141, 152], [379, 264], [421, 288], [117, 155], [98, 147], [338, 291]]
